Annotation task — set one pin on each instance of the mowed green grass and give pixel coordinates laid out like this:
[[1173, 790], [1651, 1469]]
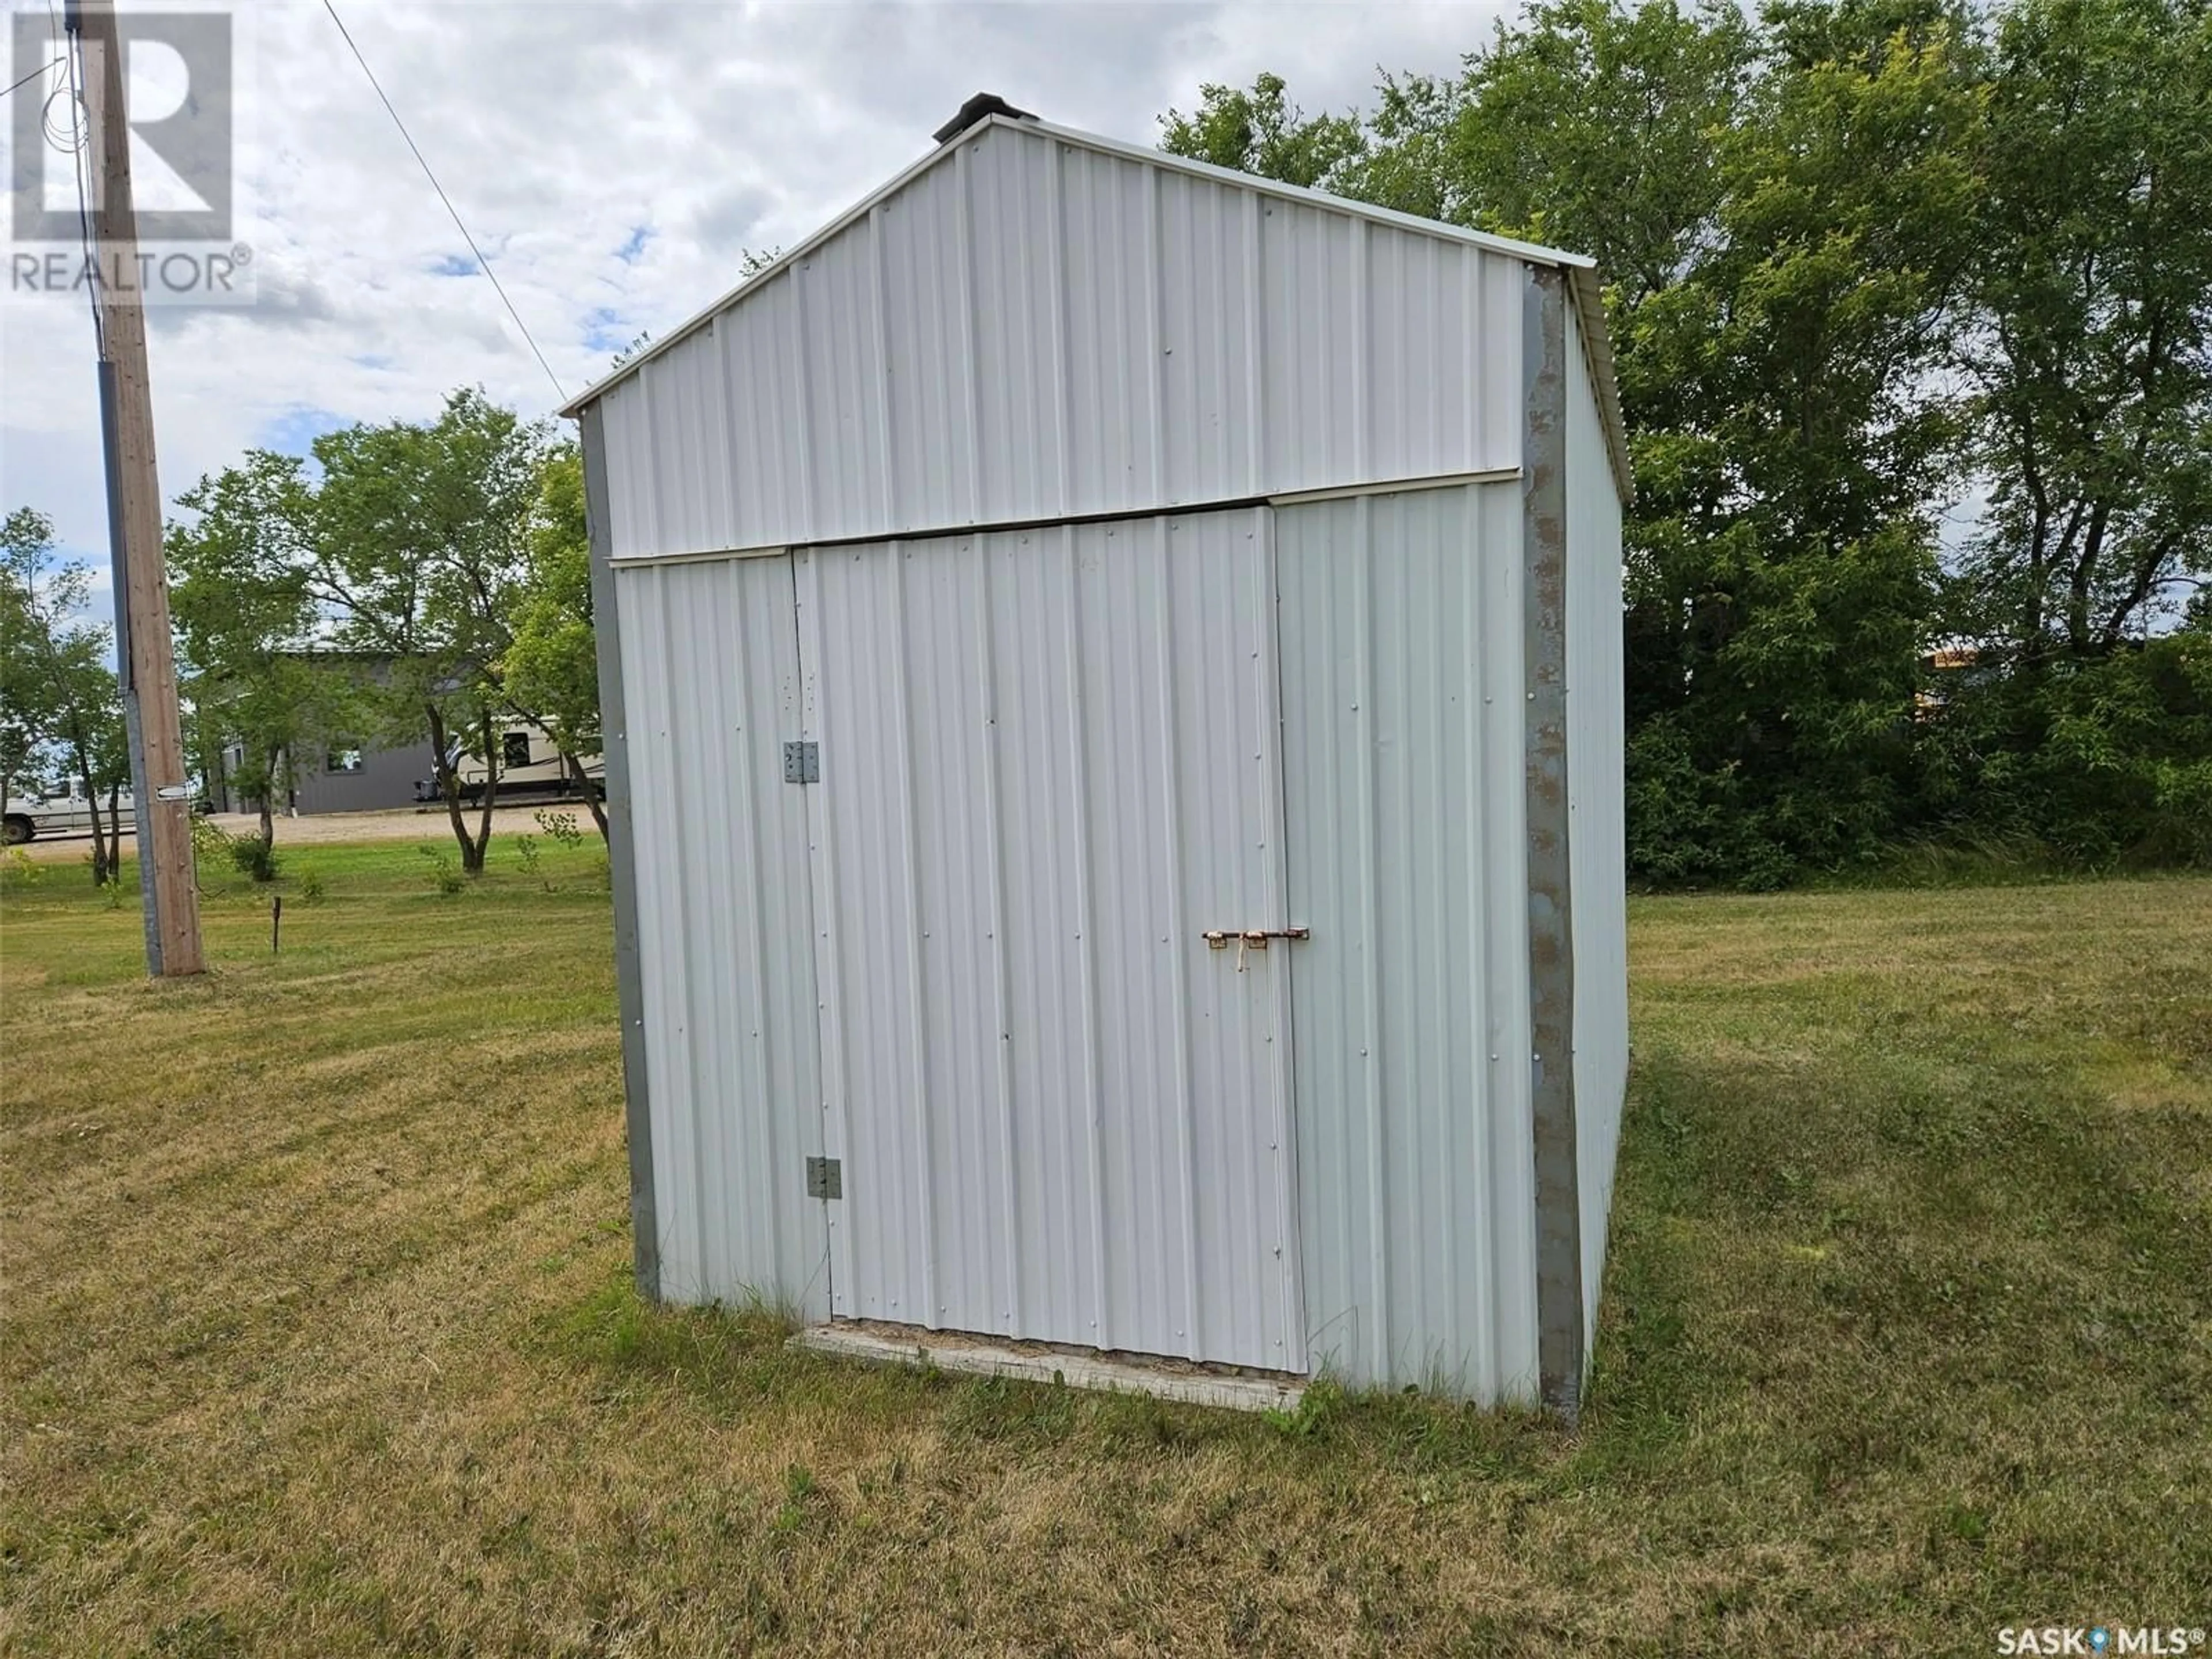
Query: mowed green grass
[[318, 1337]]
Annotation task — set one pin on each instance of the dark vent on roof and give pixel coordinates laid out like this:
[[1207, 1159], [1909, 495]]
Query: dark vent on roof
[[982, 106]]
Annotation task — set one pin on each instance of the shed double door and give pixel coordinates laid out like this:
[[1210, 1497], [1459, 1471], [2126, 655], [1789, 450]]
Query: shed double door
[[1048, 766]]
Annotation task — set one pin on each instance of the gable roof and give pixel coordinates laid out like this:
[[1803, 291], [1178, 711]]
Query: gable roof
[[1580, 269]]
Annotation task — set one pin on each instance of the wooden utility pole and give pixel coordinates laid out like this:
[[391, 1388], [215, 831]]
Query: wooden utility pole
[[145, 655]]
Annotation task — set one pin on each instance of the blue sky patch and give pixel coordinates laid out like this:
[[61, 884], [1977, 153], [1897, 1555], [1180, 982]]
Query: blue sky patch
[[295, 431], [605, 330]]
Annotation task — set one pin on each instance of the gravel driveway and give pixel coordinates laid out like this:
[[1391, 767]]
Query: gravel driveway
[[406, 824]]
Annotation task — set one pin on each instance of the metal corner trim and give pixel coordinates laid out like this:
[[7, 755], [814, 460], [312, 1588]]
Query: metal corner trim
[[1561, 1344], [622, 859]]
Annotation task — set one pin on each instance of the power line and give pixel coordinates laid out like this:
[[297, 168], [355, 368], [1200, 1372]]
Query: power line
[[483, 263], [33, 75], [81, 162]]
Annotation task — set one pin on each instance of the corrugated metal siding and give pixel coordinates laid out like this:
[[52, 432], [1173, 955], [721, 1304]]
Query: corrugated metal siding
[[710, 677], [1036, 329], [1048, 766], [1597, 843], [1400, 620], [1051, 757]]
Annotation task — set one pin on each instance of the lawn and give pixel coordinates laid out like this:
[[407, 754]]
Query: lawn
[[318, 1336]]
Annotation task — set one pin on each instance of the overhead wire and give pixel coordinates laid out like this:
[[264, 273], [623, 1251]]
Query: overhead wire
[[483, 263], [33, 75], [80, 149], [73, 138]]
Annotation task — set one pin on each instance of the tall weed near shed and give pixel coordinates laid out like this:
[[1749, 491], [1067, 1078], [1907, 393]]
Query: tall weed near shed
[[560, 827], [446, 877], [210, 847], [1907, 1336], [255, 856], [525, 854]]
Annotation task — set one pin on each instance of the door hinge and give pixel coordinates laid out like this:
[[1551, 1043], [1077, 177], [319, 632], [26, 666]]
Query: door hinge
[[802, 762], [825, 1178]]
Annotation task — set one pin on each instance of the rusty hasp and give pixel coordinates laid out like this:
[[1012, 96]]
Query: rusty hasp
[[1255, 939], [1250, 939]]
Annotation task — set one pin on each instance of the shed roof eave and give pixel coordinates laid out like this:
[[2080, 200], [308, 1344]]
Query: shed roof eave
[[775, 267], [1581, 269], [1597, 340]]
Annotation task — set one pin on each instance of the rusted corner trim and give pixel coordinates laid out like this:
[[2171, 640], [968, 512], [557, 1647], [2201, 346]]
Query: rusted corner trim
[[622, 860], [1560, 1343]]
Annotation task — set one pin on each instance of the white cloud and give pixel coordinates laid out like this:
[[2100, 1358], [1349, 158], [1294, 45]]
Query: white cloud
[[614, 161]]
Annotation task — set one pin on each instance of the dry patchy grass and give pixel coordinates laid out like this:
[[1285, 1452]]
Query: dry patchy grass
[[318, 1337]]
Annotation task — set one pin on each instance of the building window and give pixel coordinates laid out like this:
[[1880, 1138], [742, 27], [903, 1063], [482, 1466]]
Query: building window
[[514, 750], [343, 760]]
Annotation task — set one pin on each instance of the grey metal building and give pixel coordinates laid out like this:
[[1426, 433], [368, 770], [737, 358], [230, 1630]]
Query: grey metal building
[[362, 779], [1112, 674]]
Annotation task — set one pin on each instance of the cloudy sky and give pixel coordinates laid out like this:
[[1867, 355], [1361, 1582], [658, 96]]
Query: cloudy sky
[[614, 161]]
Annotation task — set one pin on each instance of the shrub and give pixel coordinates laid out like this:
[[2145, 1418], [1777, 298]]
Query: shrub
[[211, 841], [254, 856], [561, 827], [2105, 759], [445, 875]]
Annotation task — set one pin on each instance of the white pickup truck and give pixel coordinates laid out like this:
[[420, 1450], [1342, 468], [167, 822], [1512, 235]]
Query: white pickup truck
[[69, 814]]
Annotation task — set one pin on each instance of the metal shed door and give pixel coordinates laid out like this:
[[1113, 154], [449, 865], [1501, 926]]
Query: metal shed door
[[1048, 768]]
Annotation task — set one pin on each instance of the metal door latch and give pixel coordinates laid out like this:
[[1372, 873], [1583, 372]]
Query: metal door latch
[[1251, 939]]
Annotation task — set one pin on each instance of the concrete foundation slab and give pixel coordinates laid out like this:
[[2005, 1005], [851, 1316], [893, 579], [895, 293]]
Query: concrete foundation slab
[[978, 1356]]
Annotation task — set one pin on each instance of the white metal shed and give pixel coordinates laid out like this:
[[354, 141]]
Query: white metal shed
[[1112, 677]]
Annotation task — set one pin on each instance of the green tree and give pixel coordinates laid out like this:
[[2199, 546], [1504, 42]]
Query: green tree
[[2071, 715], [94, 746], [550, 669], [239, 572], [29, 703], [58, 697], [2093, 349], [1783, 553], [1586, 125], [417, 553], [1263, 131], [1782, 214], [1862, 255]]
